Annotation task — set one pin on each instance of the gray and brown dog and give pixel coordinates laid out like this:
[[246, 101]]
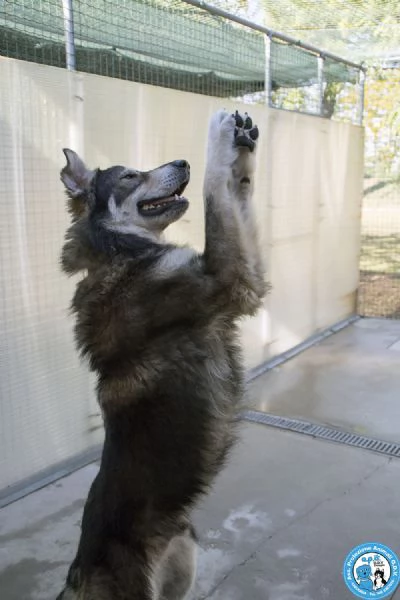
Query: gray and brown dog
[[158, 325]]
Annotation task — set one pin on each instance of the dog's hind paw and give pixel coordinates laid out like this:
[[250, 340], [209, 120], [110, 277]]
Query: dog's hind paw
[[246, 134]]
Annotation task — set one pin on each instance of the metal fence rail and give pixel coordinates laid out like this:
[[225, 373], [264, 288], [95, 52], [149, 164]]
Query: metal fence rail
[[186, 45]]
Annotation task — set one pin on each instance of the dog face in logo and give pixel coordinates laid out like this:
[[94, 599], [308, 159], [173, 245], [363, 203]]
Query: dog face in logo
[[364, 571]]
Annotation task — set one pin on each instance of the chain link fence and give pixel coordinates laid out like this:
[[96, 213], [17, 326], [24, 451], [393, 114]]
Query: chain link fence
[[379, 293], [184, 45]]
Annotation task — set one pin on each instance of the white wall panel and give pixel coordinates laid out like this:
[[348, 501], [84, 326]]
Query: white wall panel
[[308, 194]]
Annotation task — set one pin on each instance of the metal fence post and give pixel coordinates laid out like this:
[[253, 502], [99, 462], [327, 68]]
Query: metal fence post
[[268, 70], [69, 34], [361, 97], [321, 64]]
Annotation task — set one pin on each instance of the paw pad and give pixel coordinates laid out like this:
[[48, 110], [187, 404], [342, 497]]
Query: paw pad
[[245, 134]]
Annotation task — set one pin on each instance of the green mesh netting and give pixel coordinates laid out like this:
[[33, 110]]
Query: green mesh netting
[[166, 43]]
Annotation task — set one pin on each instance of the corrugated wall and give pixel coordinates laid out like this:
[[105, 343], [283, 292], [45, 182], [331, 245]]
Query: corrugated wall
[[308, 205]]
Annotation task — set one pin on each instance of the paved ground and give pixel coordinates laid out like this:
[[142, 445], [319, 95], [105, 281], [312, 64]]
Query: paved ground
[[281, 518], [351, 380]]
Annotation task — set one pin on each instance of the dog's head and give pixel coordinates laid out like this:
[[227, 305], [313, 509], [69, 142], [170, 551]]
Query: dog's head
[[124, 200]]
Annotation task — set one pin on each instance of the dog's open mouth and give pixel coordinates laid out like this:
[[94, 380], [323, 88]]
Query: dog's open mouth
[[157, 206]]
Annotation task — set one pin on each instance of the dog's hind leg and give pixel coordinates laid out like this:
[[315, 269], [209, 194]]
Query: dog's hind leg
[[176, 570]]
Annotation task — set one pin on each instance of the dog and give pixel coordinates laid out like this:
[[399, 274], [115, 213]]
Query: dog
[[158, 325]]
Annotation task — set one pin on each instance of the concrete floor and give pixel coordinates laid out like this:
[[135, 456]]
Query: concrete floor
[[351, 380], [288, 508]]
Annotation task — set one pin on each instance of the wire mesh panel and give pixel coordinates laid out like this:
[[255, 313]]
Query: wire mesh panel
[[173, 44], [288, 90], [341, 92], [379, 293], [33, 30], [45, 393], [160, 43], [47, 410]]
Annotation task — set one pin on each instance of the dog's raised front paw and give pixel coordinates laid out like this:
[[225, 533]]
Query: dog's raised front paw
[[222, 150], [245, 133]]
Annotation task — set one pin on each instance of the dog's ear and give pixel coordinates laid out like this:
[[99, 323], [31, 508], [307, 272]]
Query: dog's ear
[[75, 175]]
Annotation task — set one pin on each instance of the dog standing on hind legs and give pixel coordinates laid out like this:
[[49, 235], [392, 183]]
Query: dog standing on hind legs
[[158, 324]]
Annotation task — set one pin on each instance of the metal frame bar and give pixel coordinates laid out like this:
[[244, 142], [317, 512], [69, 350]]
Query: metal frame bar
[[69, 34], [321, 65], [268, 79], [361, 97], [323, 432]]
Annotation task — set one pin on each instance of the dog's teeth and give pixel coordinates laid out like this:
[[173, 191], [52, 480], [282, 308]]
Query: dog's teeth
[[160, 204]]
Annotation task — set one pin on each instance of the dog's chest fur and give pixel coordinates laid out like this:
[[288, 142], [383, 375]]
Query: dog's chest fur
[[169, 378]]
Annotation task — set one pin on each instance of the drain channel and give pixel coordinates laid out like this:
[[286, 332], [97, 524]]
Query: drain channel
[[323, 432]]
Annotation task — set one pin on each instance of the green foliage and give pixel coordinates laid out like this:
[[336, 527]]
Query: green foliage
[[382, 122]]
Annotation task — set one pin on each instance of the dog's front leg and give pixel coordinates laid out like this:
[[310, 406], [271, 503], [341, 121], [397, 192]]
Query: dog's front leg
[[242, 187], [231, 254], [222, 251]]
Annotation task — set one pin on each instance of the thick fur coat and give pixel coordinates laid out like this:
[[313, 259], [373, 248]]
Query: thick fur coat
[[158, 324]]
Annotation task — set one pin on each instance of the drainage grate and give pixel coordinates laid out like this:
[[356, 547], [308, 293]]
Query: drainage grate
[[323, 432]]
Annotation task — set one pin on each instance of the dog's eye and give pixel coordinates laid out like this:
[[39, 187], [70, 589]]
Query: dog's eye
[[129, 175]]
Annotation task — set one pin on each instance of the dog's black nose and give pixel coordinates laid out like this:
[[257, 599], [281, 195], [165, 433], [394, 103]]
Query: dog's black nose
[[183, 164]]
